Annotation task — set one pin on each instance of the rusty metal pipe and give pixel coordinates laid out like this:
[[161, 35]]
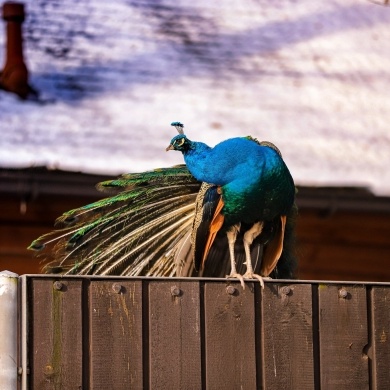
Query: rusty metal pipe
[[14, 76]]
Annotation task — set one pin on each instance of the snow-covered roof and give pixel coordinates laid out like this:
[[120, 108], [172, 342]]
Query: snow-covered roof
[[312, 77]]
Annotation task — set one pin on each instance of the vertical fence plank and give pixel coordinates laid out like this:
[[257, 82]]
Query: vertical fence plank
[[288, 337], [116, 334], [55, 334], [380, 324], [175, 334], [343, 337], [8, 330], [230, 337]]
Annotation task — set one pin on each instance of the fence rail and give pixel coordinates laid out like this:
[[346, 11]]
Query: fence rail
[[147, 333]]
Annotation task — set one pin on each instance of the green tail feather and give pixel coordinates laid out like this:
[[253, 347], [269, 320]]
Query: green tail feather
[[128, 233]]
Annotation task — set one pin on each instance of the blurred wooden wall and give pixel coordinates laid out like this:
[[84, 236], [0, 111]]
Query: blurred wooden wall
[[348, 245]]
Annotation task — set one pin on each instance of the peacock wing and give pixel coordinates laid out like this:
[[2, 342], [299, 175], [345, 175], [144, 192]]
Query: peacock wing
[[207, 221]]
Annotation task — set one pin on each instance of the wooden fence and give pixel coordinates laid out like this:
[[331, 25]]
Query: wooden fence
[[146, 333]]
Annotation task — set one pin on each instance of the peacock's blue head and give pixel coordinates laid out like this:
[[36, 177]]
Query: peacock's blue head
[[180, 143]]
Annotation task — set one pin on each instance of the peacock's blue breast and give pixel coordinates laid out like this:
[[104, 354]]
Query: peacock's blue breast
[[256, 183]]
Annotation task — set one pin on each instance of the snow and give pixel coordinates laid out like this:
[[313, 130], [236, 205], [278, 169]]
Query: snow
[[312, 77]]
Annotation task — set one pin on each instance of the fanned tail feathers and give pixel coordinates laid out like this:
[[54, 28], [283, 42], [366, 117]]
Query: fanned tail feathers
[[136, 232]]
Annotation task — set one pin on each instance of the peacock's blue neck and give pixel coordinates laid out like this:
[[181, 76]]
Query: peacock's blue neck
[[197, 160]]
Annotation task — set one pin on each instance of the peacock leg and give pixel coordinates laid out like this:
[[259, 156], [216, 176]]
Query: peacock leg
[[231, 236], [249, 236]]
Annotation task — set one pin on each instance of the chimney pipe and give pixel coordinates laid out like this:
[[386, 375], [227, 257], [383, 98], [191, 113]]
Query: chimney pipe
[[14, 77]]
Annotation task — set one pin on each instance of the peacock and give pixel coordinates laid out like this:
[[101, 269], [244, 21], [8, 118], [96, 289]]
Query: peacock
[[228, 211]]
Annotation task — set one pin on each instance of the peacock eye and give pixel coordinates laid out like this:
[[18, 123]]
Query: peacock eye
[[179, 142]]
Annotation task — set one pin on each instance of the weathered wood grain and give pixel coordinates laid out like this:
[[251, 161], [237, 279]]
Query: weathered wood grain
[[130, 333], [174, 335], [55, 335], [343, 337], [230, 337], [380, 327], [116, 334], [287, 337]]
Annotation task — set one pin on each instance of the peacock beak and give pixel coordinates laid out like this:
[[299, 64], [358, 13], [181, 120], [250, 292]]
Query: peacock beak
[[170, 147]]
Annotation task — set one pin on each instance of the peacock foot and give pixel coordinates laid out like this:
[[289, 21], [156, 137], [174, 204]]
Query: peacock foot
[[239, 277], [252, 275]]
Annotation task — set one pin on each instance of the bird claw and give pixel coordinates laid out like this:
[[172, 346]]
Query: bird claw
[[239, 277], [251, 275]]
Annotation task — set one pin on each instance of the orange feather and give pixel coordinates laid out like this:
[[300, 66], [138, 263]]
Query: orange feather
[[215, 226]]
